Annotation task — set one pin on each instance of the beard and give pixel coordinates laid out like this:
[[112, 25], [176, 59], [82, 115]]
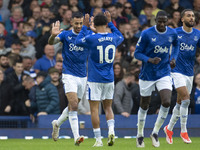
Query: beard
[[188, 24], [5, 66]]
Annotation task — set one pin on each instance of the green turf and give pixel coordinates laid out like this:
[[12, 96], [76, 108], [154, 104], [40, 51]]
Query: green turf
[[67, 144]]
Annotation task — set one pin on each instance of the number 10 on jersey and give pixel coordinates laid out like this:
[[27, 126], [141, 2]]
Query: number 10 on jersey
[[105, 54]]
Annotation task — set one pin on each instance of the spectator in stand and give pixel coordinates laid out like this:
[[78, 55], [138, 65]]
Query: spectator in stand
[[37, 14], [16, 47], [27, 48], [196, 5], [29, 84], [53, 7], [63, 7], [197, 20], [28, 66], [5, 13], [116, 19], [47, 98], [73, 5], [3, 49], [176, 19], [6, 98], [97, 10], [15, 79], [16, 17], [42, 41], [106, 3], [196, 94], [154, 3], [122, 100], [120, 8], [48, 60], [147, 18], [118, 72], [135, 25], [174, 6], [97, 5], [12, 58], [135, 93], [128, 11], [28, 9], [59, 67], [55, 80], [119, 58], [4, 63], [46, 19], [128, 37], [66, 20], [59, 56], [197, 64], [3, 32], [130, 54]]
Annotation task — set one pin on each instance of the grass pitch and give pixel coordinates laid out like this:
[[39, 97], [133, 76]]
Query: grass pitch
[[68, 144]]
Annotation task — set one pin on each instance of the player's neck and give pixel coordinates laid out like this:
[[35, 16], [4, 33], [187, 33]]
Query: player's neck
[[101, 29], [187, 29]]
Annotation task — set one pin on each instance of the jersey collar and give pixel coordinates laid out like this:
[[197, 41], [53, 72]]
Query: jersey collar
[[186, 31], [103, 33], [74, 32], [160, 32]]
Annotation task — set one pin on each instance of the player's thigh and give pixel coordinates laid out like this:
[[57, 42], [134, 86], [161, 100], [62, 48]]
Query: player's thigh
[[164, 83], [146, 87], [178, 80], [82, 82], [107, 91], [94, 91], [70, 83], [189, 83]]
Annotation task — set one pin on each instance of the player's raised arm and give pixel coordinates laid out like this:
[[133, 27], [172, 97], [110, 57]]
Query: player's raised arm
[[81, 40], [113, 28], [54, 32]]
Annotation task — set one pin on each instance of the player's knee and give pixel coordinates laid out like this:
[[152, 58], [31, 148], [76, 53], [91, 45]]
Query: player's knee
[[166, 104], [185, 96], [144, 106], [74, 106], [185, 103]]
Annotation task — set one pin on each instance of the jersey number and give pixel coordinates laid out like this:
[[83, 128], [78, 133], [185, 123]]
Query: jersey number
[[101, 55]]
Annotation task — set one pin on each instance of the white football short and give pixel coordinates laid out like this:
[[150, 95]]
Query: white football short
[[180, 80], [74, 84], [146, 87], [100, 91]]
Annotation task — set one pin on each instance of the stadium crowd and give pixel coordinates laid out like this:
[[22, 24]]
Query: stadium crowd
[[31, 69]]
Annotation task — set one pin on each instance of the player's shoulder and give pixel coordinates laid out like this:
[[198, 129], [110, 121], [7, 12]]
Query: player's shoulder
[[196, 31], [150, 29]]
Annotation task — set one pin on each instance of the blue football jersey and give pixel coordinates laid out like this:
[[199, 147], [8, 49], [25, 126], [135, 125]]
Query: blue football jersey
[[74, 57], [102, 48], [153, 43], [187, 50]]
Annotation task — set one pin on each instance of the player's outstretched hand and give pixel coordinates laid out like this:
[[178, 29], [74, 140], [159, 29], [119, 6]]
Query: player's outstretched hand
[[154, 60], [92, 24], [108, 16], [86, 21], [173, 63], [56, 28]]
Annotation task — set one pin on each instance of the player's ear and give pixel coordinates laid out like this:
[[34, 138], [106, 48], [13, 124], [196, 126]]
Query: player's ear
[[182, 20], [71, 22]]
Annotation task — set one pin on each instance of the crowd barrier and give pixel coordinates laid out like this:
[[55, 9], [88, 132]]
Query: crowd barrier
[[22, 127]]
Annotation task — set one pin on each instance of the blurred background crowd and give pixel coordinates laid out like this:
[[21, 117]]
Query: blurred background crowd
[[30, 69]]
